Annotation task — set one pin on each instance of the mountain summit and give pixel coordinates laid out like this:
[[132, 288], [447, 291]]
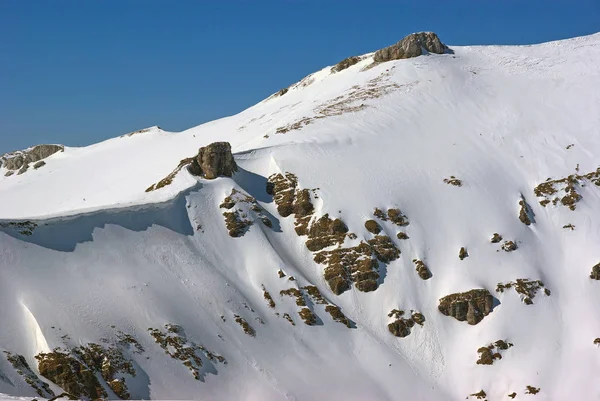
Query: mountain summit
[[416, 223]]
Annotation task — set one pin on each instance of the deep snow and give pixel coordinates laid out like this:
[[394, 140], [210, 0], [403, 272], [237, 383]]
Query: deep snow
[[500, 118]]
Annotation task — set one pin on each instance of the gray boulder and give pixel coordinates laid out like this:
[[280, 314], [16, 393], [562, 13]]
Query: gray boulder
[[411, 46], [214, 160]]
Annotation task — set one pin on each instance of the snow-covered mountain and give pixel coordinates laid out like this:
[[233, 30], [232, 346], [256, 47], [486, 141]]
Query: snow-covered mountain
[[370, 198]]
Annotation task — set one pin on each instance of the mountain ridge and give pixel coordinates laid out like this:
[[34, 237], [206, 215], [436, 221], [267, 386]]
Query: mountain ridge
[[445, 153]]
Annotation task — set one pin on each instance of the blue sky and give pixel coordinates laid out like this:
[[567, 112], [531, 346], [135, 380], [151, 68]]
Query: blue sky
[[77, 72]]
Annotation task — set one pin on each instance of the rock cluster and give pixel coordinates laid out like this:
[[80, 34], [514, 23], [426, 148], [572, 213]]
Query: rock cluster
[[20, 160], [411, 46]]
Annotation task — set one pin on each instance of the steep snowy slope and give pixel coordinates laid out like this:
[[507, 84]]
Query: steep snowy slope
[[92, 252]]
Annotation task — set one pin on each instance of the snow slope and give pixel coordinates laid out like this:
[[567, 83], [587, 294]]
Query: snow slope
[[500, 118]]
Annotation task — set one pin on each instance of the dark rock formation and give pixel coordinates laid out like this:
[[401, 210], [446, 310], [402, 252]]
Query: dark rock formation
[[401, 327], [214, 160], [471, 306], [411, 46], [422, 269], [595, 274], [372, 226]]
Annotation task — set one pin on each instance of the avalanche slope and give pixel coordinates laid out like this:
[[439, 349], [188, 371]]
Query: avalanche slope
[[88, 255]]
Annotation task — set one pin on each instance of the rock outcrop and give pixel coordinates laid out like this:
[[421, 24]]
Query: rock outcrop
[[411, 46], [20, 160], [214, 160], [595, 274], [471, 306], [345, 63]]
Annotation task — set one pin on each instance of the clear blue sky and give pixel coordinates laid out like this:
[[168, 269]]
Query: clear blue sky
[[77, 72]]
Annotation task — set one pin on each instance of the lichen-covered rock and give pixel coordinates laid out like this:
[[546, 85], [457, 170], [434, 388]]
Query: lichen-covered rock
[[471, 306], [214, 160], [411, 46]]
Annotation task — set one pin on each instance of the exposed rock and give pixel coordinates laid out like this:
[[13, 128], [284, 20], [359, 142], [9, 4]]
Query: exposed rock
[[372, 226], [496, 238], [532, 390], [479, 395], [411, 46], [509, 246], [345, 63], [245, 326], [282, 92], [14, 163], [214, 160], [326, 232], [337, 314], [453, 181], [401, 327], [422, 269], [595, 274], [384, 249], [315, 294], [462, 253], [294, 292], [308, 316], [169, 178], [23, 169], [175, 344], [21, 366], [394, 215], [564, 190], [268, 297], [70, 374], [402, 235], [39, 164], [19, 159], [9, 173], [491, 353], [40, 152], [471, 306], [525, 212], [527, 289]]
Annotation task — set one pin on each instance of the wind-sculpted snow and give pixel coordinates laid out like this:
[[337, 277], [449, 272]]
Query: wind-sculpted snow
[[416, 219]]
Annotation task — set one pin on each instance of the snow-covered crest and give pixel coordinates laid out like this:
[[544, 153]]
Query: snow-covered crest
[[453, 141]]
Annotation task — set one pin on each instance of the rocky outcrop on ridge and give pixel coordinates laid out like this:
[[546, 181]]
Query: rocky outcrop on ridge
[[411, 46]]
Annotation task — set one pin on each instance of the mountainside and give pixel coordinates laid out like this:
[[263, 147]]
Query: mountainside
[[402, 225]]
